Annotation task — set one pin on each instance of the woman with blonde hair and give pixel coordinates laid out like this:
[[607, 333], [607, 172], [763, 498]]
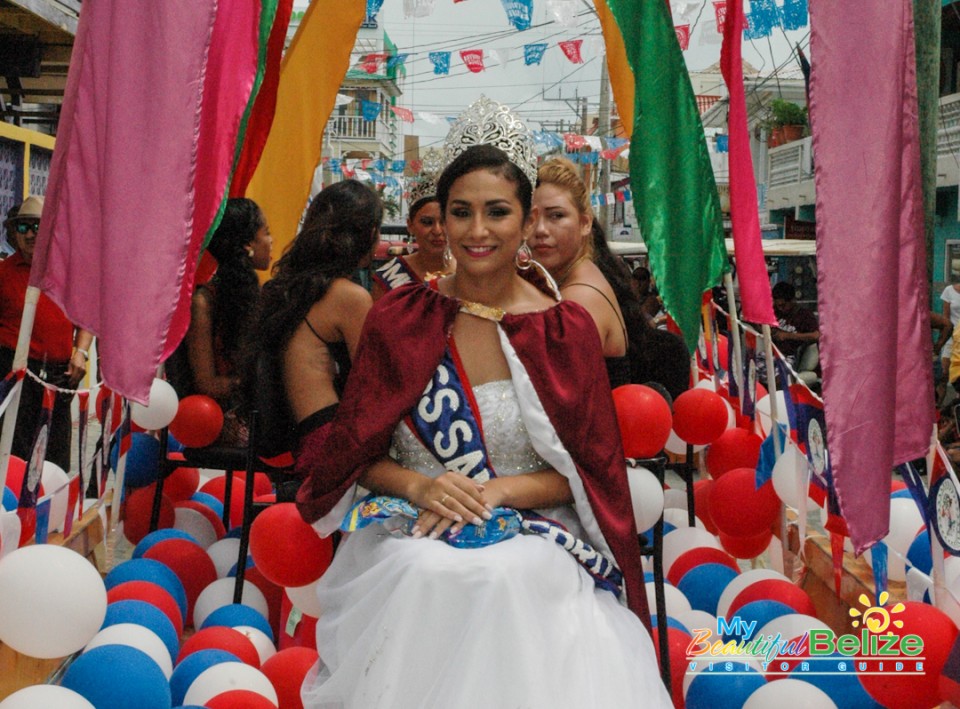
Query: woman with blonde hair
[[563, 243]]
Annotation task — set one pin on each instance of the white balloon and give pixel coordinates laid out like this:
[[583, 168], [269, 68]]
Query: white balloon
[[673, 597], [56, 483], [220, 593], [791, 626], [675, 499], [789, 471], [139, 637], [53, 600], [160, 410], [789, 693], [905, 523], [646, 495], [9, 532], [704, 663], [680, 518], [45, 696], [685, 539], [731, 416], [763, 412], [224, 554], [678, 446], [696, 620], [197, 526], [305, 598], [227, 676], [740, 582], [265, 647]]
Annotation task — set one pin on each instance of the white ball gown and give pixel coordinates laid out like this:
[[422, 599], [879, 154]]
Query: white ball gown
[[417, 624]]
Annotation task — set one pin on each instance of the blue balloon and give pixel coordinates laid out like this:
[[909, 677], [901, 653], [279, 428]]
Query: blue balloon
[[919, 554], [671, 623], [720, 689], [143, 460], [173, 445], [150, 570], [761, 612], [158, 536], [210, 501], [250, 565], [902, 492], [837, 677], [9, 499], [118, 677], [236, 614], [192, 665], [703, 584], [233, 533], [147, 615]]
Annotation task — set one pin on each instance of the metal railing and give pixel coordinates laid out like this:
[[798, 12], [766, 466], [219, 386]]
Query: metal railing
[[357, 128], [948, 126], [790, 164]]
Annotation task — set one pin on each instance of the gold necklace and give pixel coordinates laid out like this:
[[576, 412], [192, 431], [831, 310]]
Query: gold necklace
[[562, 279]]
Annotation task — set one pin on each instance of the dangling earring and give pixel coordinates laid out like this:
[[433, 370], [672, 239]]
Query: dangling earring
[[447, 256], [524, 257], [250, 251]]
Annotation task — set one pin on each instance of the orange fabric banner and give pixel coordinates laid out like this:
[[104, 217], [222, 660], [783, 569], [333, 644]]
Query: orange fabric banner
[[621, 76]]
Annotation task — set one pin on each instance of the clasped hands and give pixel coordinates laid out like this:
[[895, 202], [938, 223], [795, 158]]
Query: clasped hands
[[451, 501]]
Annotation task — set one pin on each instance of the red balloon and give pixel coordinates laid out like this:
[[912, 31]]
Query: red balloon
[[644, 418], [699, 416], [181, 484], [137, 508], [677, 642], [286, 549], [261, 482], [897, 485], [898, 690], [217, 487], [207, 512], [220, 637], [240, 699], [697, 556], [16, 469], [190, 562], [723, 351], [735, 448], [701, 504], [286, 671], [153, 594], [738, 508], [304, 631], [779, 590], [272, 592], [198, 421], [746, 547]]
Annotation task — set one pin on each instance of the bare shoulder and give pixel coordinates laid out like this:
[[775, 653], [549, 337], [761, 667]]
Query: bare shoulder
[[345, 294], [587, 286]]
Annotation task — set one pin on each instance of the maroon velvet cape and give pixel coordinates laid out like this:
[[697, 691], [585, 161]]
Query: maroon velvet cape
[[404, 338]]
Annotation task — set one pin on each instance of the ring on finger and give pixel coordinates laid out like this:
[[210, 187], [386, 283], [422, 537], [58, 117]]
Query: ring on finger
[[443, 499]]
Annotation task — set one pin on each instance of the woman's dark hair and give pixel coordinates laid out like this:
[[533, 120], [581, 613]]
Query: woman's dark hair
[[655, 355], [418, 205], [485, 157], [340, 229], [235, 283]]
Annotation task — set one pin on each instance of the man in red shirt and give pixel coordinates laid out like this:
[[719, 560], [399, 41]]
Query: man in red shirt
[[58, 351]]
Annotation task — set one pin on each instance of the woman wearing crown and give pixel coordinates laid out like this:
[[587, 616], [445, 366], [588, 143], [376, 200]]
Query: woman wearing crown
[[475, 460], [432, 257]]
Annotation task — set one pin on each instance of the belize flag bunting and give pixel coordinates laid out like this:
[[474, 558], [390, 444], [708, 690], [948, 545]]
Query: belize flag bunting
[[83, 401], [30, 489], [749, 393]]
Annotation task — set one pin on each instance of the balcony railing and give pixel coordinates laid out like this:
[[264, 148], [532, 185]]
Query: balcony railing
[[790, 164], [357, 128], [948, 126]]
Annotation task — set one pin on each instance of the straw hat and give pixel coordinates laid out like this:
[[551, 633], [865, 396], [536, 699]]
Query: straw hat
[[31, 208]]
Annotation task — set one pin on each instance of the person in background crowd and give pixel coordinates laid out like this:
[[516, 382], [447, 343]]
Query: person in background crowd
[[310, 317], [797, 325], [59, 352], [951, 310], [8, 240], [642, 285], [563, 243], [208, 361]]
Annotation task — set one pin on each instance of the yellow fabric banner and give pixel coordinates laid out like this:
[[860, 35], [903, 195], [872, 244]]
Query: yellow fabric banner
[[621, 76], [310, 76]]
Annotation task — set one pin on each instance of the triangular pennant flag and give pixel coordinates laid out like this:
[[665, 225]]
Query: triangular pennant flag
[[519, 13], [373, 7], [533, 53], [473, 58], [370, 63], [441, 63], [794, 14], [396, 60], [563, 12], [404, 114], [370, 110], [501, 56], [571, 50], [417, 8], [683, 35], [572, 141]]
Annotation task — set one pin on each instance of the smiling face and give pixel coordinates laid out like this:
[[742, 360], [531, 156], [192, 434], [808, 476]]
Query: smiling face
[[485, 224], [561, 228], [426, 228]]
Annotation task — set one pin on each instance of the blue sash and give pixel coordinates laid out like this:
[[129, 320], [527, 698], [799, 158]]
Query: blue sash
[[446, 422], [395, 273]]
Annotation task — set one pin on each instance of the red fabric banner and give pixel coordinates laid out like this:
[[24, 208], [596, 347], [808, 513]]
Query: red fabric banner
[[404, 114], [473, 58], [572, 141], [571, 50], [371, 62], [683, 35]]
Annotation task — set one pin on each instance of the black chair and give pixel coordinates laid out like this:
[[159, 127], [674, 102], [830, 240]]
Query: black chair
[[228, 459]]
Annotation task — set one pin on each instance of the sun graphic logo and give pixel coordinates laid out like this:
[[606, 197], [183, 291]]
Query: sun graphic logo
[[876, 619]]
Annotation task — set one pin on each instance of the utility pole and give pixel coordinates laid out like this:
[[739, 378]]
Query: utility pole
[[603, 129]]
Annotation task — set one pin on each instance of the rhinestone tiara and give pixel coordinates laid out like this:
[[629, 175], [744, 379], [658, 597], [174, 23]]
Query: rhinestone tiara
[[488, 122], [426, 184]]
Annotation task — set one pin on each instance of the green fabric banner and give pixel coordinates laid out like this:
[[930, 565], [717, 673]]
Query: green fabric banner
[[674, 192]]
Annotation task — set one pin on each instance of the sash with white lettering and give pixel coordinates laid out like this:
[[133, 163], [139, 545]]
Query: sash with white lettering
[[446, 422], [395, 273]]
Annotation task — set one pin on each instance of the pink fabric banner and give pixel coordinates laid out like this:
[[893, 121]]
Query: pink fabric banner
[[751, 266], [404, 114], [874, 314], [117, 245]]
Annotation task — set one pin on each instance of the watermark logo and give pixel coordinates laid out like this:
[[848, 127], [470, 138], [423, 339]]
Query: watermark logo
[[735, 646]]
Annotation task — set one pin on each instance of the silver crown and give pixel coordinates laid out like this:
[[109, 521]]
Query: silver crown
[[426, 184], [488, 122]]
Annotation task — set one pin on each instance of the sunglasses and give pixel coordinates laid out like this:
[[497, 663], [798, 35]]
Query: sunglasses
[[24, 227]]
